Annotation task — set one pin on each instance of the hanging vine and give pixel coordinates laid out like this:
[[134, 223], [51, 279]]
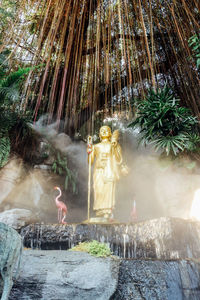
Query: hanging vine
[[98, 55]]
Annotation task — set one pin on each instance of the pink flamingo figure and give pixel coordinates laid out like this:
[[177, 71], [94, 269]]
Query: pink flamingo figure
[[62, 208]]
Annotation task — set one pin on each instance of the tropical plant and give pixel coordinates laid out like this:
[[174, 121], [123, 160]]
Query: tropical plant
[[6, 123], [94, 248], [194, 43], [60, 167], [15, 134], [10, 86], [4, 150], [14, 127], [165, 124]]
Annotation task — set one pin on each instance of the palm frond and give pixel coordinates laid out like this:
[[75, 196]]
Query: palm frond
[[164, 123], [14, 77], [10, 85]]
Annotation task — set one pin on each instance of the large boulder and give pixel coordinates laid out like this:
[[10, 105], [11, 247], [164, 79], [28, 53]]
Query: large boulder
[[158, 280], [60, 275], [35, 192], [51, 275], [26, 188], [175, 192], [28, 192], [17, 218], [61, 142], [160, 187], [10, 176], [10, 252]]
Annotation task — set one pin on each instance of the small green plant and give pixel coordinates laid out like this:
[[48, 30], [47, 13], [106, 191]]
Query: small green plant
[[165, 124], [60, 167], [94, 248], [4, 150], [194, 43]]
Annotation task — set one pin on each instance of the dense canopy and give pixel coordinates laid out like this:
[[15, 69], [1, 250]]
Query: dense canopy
[[99, 55]]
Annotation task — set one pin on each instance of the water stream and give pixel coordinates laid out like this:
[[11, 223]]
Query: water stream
[[164, 238]]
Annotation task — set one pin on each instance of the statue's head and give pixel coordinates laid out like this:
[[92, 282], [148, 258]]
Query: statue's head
[[105, 132]]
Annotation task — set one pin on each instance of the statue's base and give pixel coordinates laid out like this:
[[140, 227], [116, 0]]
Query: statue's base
[[100, 220]]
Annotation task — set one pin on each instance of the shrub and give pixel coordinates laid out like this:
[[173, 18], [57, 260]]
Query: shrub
[[165, 124], [14, 128], [94, 248], [60, 167]]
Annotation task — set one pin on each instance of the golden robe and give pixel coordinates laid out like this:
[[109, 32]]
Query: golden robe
[[106, 173]]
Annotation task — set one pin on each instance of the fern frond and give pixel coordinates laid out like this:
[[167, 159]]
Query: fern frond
[[4, 150], [14, 77]]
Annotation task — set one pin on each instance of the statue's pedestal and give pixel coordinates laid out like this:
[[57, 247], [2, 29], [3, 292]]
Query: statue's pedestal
[[98, 220]]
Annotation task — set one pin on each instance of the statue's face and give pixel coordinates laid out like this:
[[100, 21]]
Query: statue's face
[[105, 132]]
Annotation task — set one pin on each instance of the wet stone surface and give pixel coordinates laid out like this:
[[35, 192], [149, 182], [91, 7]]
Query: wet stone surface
[[158, 280], [164, 262], [59, 275], [164, 238]]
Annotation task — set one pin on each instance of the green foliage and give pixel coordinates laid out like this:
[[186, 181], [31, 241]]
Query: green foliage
[[14, 129], [165, 124], [4, 65], [4, 150], [94, 248], [15, 133], [60, 167], [7, 13], [194, 43], [6, 122], [5, 125], [10, 85]]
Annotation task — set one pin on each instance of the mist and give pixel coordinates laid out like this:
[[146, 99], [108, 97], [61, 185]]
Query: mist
[[159, 187]]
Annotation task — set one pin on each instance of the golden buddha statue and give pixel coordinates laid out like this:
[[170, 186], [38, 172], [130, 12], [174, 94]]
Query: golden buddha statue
[[108, 158]]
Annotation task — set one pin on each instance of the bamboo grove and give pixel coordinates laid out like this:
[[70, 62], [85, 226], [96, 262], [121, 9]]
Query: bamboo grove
[[91, 56]]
